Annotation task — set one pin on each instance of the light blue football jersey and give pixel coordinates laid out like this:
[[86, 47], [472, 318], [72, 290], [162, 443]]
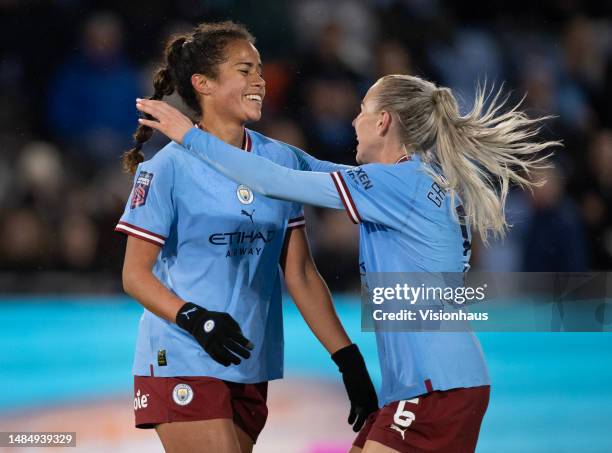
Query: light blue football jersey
[[406, 225], [220, 247]]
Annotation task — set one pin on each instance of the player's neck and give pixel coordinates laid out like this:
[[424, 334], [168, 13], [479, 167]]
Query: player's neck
[[229, 133], [392, 151]]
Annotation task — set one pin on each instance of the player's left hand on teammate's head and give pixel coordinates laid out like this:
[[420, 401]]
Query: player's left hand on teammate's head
[[358, 385], [166, 119]]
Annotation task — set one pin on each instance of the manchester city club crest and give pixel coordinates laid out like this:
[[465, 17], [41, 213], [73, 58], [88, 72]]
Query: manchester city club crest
[[245, 195], [182, 394]]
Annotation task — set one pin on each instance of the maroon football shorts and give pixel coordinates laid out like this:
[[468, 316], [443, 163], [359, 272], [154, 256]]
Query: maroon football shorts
[[440, 421], [183, 399]]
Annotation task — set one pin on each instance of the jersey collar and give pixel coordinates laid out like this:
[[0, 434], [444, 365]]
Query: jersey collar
[[247, 143], [403, 159]]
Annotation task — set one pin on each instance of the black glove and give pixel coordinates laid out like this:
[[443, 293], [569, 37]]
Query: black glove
[[217, 332], [358, 385]]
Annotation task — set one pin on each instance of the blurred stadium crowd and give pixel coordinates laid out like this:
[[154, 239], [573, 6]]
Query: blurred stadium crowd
[[70, 73]]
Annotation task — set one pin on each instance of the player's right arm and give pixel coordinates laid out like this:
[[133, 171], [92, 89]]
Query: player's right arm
[[147, 219], [222, 341], [140, 283]]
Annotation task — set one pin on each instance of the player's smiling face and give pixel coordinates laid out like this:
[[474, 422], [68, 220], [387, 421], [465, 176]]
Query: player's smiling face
[[368, 140], [239, 89]]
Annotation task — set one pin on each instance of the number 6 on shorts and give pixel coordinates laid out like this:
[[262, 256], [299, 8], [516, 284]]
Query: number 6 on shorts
[[404, 418]]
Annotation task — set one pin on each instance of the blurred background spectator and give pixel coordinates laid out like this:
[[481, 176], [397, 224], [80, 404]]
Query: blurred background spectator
[[69, 75], [553, 238], [91, 96]]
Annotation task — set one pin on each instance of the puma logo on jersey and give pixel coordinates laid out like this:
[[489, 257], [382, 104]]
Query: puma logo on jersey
[[250, 216]]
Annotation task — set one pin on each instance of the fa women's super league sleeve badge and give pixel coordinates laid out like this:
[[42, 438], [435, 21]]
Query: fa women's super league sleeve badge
[[141, 189]]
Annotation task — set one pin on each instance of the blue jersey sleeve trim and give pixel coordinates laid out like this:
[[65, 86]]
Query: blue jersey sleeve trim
[[297, 222], [345, 196], [140, 233]]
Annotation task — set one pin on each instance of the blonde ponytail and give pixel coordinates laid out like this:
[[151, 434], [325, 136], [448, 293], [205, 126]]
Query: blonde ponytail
[[479, 154]]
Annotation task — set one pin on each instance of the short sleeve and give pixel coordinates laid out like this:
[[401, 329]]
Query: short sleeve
[[376, 193], [296, 217], [149, 212]]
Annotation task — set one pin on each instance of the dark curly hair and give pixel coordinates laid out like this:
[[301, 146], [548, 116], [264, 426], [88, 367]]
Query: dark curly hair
[[198, 52]]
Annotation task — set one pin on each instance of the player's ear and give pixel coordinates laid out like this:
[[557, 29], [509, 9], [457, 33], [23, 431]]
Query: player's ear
[[383, 123], [201, 84]]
